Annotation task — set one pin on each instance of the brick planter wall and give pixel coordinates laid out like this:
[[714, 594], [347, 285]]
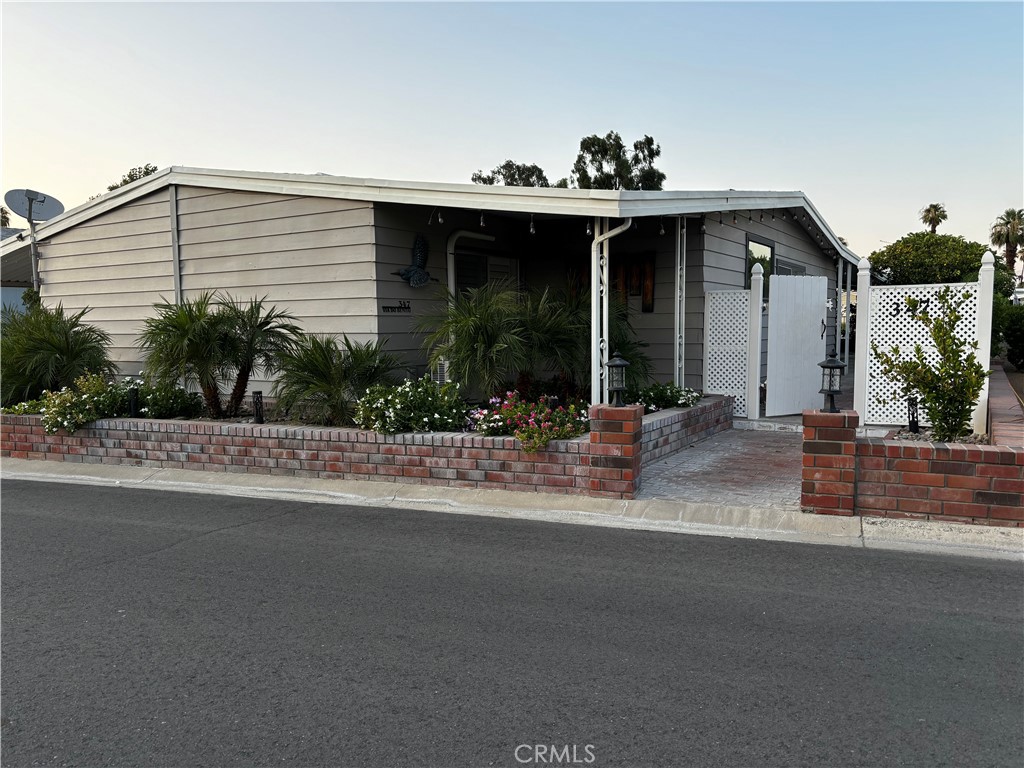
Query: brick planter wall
[[606, 463], [668, 432], [460, 460], [847, 475]]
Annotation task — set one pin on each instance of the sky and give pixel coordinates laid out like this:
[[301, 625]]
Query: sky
[[873, 110]]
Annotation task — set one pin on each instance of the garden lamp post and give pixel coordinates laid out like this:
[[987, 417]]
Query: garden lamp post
[[616, 378], [831, 373]]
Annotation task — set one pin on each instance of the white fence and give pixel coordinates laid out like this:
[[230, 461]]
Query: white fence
[[883, 318], [732, 344]]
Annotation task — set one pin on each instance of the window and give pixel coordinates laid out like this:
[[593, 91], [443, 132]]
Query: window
[[759, 252], [789, 268], [475, 266]]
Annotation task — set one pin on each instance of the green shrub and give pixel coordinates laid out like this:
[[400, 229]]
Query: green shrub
[[47, 349], [320, 381], [534, 424], [658, 397], [1013, 335], [948, 389], [413, 406], [93, 397]]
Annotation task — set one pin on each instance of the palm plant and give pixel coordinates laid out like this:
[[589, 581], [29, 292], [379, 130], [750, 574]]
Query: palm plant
[[320, 381], [623, 339], [933, 215], [44, 349], [192, 343], [479, 334], [1008, 234], [261, 335]]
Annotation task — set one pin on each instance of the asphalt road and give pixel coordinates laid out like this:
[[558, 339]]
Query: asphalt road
[[170, 629]]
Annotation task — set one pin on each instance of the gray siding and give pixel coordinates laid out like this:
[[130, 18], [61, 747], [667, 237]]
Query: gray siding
[[723, 263], [312, 257], [119, 264]]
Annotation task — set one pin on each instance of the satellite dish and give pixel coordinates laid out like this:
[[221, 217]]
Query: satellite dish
[[32, 205]]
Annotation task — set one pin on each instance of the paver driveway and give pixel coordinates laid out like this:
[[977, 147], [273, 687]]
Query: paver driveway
[[737, 467]]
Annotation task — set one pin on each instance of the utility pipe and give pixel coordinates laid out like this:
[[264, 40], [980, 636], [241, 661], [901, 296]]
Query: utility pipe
[[599, 306]]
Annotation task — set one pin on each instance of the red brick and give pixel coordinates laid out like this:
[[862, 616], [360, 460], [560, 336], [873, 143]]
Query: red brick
[[834, 489], [840, 435], [923, 478], [952, 519], [879, 476], [1009, 486], [967, 510], [876, 502], [976, 483], [826, 475], [918, 505], [845, 462], [951, 494], [998, 470], [910, 465], [1006, 513], [871, 462]]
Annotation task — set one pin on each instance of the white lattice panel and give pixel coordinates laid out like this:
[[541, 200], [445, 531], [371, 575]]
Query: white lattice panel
[[725, 345], [892, 325]]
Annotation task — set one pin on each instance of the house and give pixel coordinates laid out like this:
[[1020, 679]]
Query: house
[[327, 248]]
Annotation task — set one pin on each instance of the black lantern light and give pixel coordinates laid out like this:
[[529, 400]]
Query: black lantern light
[[912, 420], [133, 402], [617, 379], [257, 407], [831, 373]]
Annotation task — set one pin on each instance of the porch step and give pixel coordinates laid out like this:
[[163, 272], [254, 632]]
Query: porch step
[[781, 424]]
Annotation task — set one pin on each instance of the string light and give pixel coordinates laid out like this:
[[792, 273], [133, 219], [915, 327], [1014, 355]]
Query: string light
[[661, 228], [589, 230], [533, 229], [482, 224]]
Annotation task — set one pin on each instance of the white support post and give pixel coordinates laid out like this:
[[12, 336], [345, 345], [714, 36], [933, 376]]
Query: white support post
[[754, 342], [846, 313], [986, 280], [595, 315], [606, 289], [679, 361], [860, 373]]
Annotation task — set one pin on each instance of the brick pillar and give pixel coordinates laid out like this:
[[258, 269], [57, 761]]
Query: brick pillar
[[830, 462], [615, 437]]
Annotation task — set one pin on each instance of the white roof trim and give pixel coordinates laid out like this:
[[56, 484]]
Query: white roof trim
[[615, 204]]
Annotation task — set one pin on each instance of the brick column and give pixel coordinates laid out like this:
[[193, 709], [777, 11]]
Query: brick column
[[615, 454], [830, 462]]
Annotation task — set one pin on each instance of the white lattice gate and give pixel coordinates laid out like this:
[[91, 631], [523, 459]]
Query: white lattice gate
[[725, 345], [884, 318]]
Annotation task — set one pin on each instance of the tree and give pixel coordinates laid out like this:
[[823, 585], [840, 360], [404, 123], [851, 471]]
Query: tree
[[5, 217], [933, 215], [192, 342], [1008, 234], [925, 257], [260, 337], [602, 163], [512, 174], [605, 163], [134, 175]]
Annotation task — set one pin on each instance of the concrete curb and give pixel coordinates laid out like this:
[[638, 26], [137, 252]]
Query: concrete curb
[[766, 523]]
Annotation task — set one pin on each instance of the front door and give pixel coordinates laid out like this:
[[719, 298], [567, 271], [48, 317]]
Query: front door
[[797, 316]]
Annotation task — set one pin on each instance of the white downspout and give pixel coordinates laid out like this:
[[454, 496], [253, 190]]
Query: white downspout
[[599, 307]]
